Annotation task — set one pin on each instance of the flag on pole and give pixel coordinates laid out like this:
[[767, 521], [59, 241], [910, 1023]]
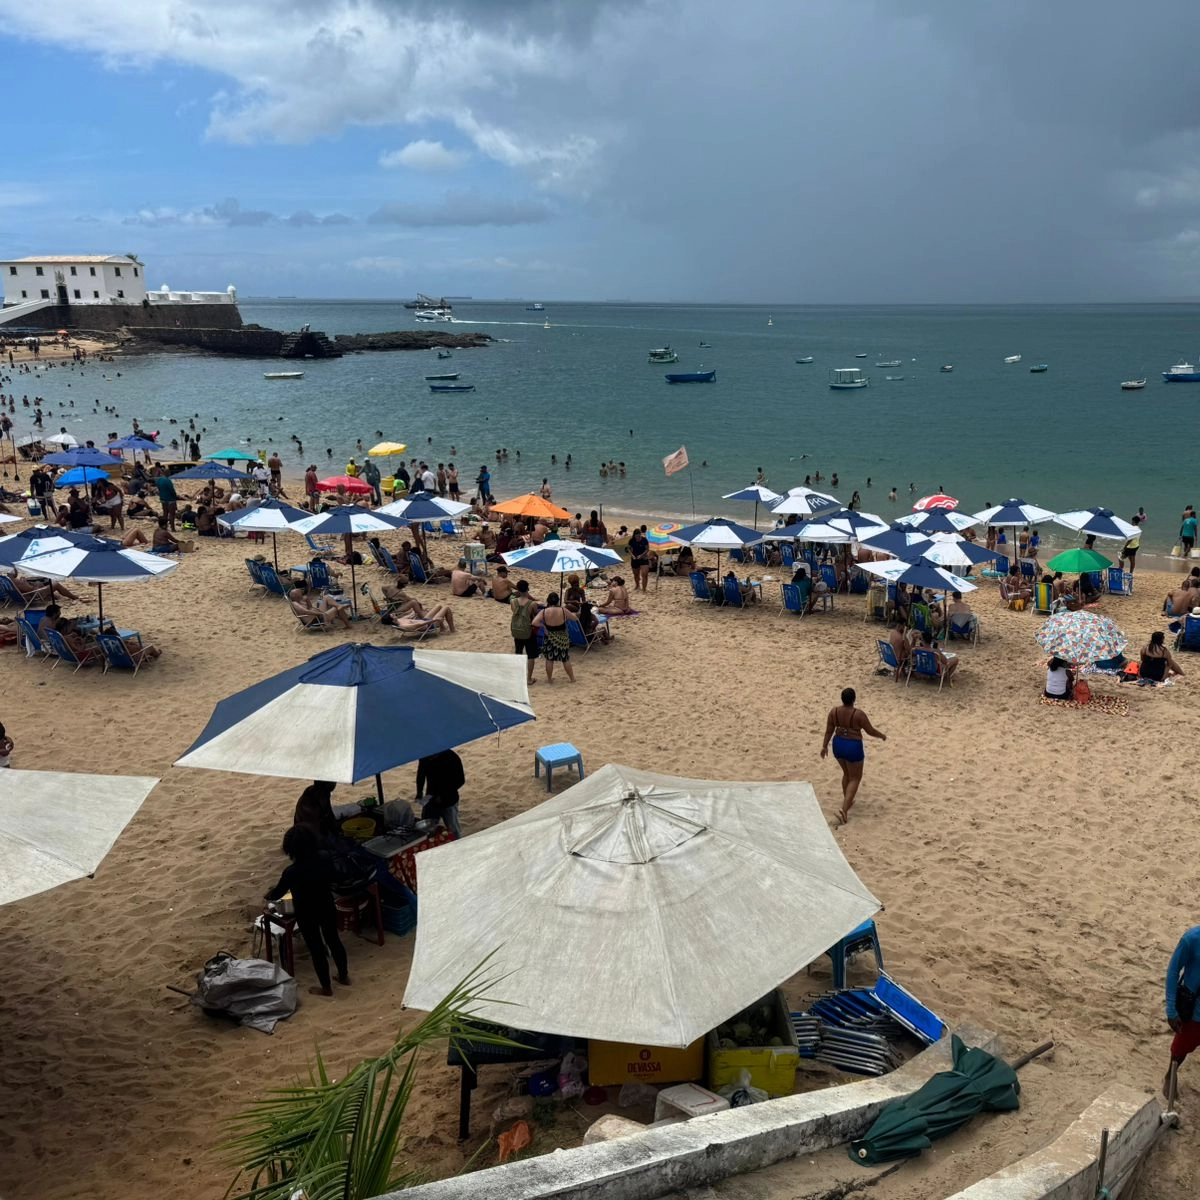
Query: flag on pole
[[676, 462]]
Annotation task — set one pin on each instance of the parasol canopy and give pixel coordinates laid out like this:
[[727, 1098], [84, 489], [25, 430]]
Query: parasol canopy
[[348, 483], [1077, 560], [268, 516], [662, 535], [560, 556], [83, 456], [937, 500], [57, 826], [948, 550], [804, 502], [937, 520], [233, 455], [134, 442], [59, 439], [1013, 512], [920, 574], [424, 507], [617, 909], [532, 505], [80, 475], [1098, 522], [386, 450], [1081, 637]]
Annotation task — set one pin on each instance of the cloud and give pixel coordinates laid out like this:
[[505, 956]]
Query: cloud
[[228, 214], [462, 207], [424, 155], [20, 195], [375, 263]]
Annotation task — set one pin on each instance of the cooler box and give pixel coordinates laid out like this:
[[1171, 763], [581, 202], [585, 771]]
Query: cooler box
[[475, 552], [620, 1062], [772, 1068]]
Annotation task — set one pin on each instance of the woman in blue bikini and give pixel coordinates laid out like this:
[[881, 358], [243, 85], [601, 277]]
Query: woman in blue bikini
[[846, 726]]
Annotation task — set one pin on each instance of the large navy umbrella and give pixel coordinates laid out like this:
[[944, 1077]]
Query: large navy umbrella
[[359, 710], [27, 543], [757, 493], [85, 456], [900, 540], [1098, 522], [937, 520], [946, 551], [84, 475], [268, 516], [423, 507], [134, 442], [211, 471], [347, 519], [717, 534], [919, 574]]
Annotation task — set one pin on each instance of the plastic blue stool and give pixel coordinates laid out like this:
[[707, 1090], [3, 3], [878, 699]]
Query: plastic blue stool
[[865, 937], [561, 754]]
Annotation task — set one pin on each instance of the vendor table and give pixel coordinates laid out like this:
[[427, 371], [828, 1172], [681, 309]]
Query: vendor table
[[400, 852], [470, 1056]]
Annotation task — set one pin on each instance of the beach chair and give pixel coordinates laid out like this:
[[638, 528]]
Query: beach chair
[[887, 656], [731, 594], [1027, 571], [319, 576], [324, 548], [384, 557], [792, 600], [1097, 578], [829, 577], [737, 555], [700, 588], [29, 640], [1120, 583], [256, 575], [760, 553], [788, 553], [925, 666], [10, 594], [859, 584], [271, 581], [1043, 598], [416, 627], [1188, 637], [64, 653], [999, 569], [579, 638], [117, 653], [449, 529], [306, 623], [416, 571], [964, 627], [919, 617]]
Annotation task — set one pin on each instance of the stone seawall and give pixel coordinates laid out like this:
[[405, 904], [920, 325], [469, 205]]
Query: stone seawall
[[112, 318], [251, 341]]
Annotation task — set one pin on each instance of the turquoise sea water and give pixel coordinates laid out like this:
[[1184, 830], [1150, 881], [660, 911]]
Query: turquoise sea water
[[1066, 438]]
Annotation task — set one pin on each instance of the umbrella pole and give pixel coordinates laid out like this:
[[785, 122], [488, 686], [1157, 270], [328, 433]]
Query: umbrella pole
[[100, 600], [275, 551], [379, 789], [353, 590]]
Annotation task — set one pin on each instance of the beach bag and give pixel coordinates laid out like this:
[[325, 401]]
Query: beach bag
[[1176, 550], [1083, 693], [522, 621], [1018, 604]]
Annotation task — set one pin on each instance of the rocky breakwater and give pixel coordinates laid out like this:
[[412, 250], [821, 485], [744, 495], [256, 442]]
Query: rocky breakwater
[[410, 339]]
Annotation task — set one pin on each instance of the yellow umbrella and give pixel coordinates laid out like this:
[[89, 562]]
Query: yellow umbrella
[[384, 449]]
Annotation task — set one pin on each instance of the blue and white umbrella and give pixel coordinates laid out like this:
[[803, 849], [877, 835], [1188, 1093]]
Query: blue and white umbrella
[[1013, 512], [852, 525], [7, 518], [946, 550], [348, 519], [77, 475], [85, 456], [938, 520], [920, 574], [899, 540], [1098, 522], [359, 710], [39, 540], [210, 471], [559, 557], [98, 561], [717, 534], [424, 506], [134, 442], [804, 502], [755, 492], [267, 516]]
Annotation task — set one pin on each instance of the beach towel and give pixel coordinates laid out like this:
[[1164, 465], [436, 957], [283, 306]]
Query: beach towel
[[1113, 706]]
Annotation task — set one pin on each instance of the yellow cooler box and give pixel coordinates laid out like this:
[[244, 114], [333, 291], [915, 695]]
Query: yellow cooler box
[[619, 1062], [772, 1062]]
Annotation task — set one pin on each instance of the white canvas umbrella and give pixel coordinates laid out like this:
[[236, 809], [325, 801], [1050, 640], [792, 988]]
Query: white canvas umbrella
[[60, 439], [804, 502], [56, 826], [635, 907]]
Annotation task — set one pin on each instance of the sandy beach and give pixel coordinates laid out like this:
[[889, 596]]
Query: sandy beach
[[1036, 865]]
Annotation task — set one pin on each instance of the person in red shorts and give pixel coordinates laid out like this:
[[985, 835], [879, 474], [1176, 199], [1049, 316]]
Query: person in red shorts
[[1183, 984]]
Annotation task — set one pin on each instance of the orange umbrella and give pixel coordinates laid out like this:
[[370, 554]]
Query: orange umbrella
[[532, 505]]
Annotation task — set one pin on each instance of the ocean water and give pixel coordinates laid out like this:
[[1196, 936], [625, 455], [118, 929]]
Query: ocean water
[[1064, 439]]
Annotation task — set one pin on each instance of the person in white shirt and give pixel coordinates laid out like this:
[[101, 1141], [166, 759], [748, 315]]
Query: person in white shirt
[[429, 479], [1060, 682]]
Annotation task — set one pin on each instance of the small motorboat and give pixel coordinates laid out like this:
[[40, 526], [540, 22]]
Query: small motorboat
[[770, 321], [1133, 385], [1181, 372], [1013, 358], [845, 378], [692, 377], [893, 378], [433, 314], [663, 354], [893, 362], [442, 378], [860, 356], [445, 354], [535, 308], [947, 368], [546, 323], [451, 387], [806, 359], [705, 346], [1039, 368], [283, 375]]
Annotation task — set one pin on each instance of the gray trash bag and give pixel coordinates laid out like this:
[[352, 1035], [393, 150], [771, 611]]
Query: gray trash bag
[[252, 991]]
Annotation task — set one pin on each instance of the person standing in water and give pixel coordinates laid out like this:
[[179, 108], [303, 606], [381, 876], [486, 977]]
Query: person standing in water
[[845, 726]]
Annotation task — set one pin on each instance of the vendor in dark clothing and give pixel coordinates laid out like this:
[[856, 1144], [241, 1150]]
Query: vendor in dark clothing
[[312, 901], [314, 809], [439, 776]]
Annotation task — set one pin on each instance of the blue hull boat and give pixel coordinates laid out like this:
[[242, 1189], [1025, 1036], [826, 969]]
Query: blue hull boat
[[692, 377], [1181, 372], [451, 387]]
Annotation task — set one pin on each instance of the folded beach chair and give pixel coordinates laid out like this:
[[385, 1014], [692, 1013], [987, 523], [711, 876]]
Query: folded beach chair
[[306, 623], [1120, 583], [30, 641], [792, 600], [731, 594], [700, 588], [965, 627], [887, 656], [1043, 598], [925, 666], [64, 653], [117, 653], [415, 570]]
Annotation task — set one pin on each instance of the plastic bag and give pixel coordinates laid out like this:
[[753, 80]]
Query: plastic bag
[[741, 1093], [570, 1075]]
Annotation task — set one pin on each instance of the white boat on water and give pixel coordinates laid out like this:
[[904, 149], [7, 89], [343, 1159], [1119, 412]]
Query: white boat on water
[[770, 321], [947, 368], [283, 375], [1133, 385], [433, 314], [663, 354], [847, 378], [891, 362], [806, 359], [860, 355], [1013, 358]]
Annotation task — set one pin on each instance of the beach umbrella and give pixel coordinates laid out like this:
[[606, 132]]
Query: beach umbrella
[[1014, 512], [386, 450], [99, 561], [661, 536], [348, 483], [858, 525], [1098, 522], [804, 502], [560, 556], [755, 492], [897, 540], [717, 534], [58, 439], [946, 550], [135, 443], [937, 500], [28, 543], [347, 520], [358, 710], [532, 505], [268, 516], [795, 532], [57, 826], [919, 574], [424, 507], [84, 456], [937, 520], [78, 475], [233, 455], [979, 1082], [212, 471], [1081, 637], [1077, 560], [6, 518], [639, 884]]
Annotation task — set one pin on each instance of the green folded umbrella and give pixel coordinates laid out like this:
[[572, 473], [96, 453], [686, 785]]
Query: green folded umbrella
[[1077, 560], [979, 1082]]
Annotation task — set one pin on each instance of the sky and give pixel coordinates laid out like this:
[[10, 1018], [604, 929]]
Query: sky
[[786, 151]]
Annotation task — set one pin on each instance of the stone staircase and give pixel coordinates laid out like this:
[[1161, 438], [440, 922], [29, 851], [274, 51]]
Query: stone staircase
[[308, 344]]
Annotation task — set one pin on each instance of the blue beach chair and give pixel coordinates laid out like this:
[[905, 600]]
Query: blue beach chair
[[731, 593], [256, 575], [415, 570], [700, 588], [887, 656], [760, 553], [27, 634], [925, 666], [737, 555], [1189, 636], [64, 653], [792, 600], [386, 560], [10, 594], [118, 655], [1120, 583], [788, 551], [318, 575], [829, 576]]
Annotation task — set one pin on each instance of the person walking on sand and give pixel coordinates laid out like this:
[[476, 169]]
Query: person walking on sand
[[307, 878], [845, 726], [1183, 985]]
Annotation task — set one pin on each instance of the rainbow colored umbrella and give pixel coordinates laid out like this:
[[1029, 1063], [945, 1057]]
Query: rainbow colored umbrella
[[659, 536]]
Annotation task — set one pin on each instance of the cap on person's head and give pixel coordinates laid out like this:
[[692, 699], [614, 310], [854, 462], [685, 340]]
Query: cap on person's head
[[1196, 612]]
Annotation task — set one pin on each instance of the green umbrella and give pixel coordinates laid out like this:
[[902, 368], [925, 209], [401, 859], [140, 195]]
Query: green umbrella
[[236, 455], [979, 1082], [1077, 560]]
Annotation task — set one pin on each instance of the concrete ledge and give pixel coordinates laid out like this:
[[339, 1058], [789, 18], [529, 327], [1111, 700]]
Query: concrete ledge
[[1068, 1169], [703, 1150]]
